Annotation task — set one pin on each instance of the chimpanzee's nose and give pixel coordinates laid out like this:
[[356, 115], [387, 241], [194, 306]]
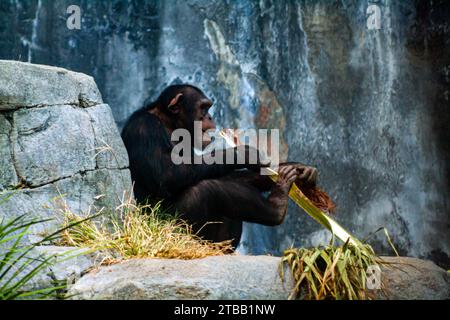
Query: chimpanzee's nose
[[208, 123]]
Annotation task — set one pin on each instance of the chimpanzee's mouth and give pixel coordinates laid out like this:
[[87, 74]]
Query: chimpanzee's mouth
[[207, 138]]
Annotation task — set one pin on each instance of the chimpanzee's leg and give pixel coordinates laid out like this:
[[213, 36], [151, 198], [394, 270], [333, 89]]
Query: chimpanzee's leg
[[227, 201]]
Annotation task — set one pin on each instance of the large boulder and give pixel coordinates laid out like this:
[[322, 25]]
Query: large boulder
[[59, 145], [219, 277], [29, 85], [240, 277], [414, 279]]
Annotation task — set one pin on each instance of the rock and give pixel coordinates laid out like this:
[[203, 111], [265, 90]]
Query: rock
[[28, 85], [71, 262], [51, 143], [107, 141], [59, 145], [221, 277], [8, 175], [238, 277], [412, 278], [83, 193]]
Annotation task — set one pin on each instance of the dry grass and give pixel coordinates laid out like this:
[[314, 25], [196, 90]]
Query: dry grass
[[135, 231], [330, 272]]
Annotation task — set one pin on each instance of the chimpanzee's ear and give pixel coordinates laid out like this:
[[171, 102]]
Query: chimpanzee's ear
[[174, 105]]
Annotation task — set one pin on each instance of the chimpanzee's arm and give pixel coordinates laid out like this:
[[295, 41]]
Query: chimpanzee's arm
[[149, 150], [177, 177]]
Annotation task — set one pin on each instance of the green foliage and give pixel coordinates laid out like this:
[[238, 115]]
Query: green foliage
[[330, 272], [19, 264]]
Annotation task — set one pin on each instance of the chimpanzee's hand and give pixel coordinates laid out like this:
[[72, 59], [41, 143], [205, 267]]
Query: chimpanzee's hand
[[307, 175], [286, 177]]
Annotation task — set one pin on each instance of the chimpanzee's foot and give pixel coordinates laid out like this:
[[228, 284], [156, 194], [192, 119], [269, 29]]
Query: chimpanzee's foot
[[307, 176]]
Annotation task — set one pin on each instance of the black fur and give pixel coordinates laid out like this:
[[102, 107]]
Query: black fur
[[202, 193]]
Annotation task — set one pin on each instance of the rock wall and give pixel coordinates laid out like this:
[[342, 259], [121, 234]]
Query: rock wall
[[59, 145], [369, 108]]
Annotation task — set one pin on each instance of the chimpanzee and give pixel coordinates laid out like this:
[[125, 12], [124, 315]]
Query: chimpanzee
[[214, 198]]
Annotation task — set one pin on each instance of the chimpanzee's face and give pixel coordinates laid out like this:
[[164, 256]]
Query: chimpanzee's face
[[202, 114], [186, 107], [199, 110]]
